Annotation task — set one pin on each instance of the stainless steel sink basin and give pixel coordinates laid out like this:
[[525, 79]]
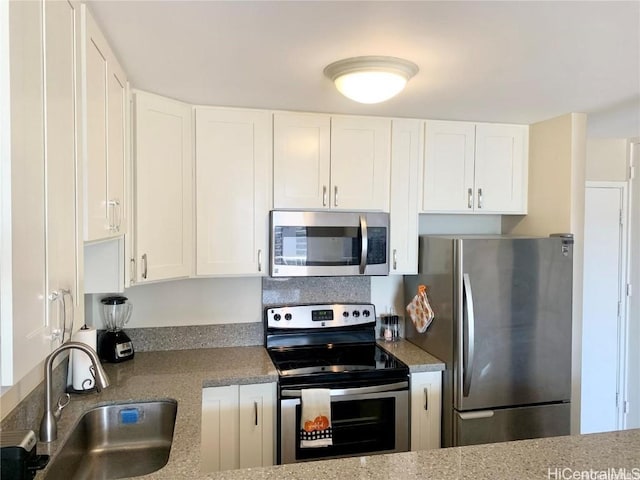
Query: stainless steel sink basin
[[117, 441]]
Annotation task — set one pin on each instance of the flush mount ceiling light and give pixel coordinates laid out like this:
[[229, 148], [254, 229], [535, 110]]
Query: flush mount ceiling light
[[371, 79]]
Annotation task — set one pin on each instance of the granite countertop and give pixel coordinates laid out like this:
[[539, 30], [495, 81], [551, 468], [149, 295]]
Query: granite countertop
[[182, 374], [556, 458], [414, 357]]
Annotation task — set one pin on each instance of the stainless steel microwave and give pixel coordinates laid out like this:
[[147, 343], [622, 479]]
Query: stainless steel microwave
[[318, 244]]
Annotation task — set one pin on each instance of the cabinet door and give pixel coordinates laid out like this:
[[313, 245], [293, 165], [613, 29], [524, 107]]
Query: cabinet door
[[406, 150], [448, 171], [233, 152], [360, 163], [61, 18], [219, 432], [23, 339], [301, 149], [257, 413], [426, 410], [116, 105], [95, 173], [105, 106], [163, 191], [501, 168]]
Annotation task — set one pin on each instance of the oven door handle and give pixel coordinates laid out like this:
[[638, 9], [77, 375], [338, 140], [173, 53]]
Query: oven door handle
[[341, 392]]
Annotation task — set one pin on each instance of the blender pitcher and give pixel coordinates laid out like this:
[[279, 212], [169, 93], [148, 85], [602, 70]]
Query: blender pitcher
[[115, 345]]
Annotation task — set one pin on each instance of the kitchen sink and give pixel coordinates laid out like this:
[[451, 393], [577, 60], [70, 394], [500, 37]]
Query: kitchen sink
[[117, 441]]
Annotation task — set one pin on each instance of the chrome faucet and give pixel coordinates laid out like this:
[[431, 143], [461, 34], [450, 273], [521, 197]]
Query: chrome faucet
[[48, 425]]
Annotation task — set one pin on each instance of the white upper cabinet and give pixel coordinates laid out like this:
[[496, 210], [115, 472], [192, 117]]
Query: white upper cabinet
[[163, 188], [233, 190], [360, 163], [474, 168], [501, 168], [105, 103], [337, 162], [61, 121], [40, 264], [448, 166], [406, 152], [301, 160]]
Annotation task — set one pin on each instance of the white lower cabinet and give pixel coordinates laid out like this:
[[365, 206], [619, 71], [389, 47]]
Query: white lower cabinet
[[426, 410], [238, 427]]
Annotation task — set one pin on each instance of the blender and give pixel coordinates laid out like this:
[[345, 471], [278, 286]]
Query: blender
[[115, 345]]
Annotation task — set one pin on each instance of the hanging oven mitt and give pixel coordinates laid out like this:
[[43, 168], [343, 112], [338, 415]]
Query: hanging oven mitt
[[420, 310]]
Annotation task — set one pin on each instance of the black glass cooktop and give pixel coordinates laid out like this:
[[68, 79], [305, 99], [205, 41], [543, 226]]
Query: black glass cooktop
[[332, 362]]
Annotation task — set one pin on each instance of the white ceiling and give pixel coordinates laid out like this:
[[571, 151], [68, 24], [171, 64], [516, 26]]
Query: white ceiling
[[517, 62]]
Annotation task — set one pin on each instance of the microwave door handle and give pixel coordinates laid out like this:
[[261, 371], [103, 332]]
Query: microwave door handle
[[365, 244]]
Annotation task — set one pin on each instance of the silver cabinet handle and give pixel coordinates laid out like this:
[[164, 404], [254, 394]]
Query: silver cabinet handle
[[470, 198], [144, 266], [118, 209], [470, 329], [255, 412], [62, 325], [132, 270], [335, 196], [324, 195], [426, 398], [111, 205], [479, 198], [57, 333], [260, 260], [365, 244], [395, 259]]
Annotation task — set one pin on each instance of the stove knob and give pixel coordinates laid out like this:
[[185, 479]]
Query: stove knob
[[356, 313], [287, 316], [345, 314], [366, 313], [277, 317]]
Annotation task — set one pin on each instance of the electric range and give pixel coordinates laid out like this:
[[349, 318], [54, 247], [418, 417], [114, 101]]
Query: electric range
[[333, 346]]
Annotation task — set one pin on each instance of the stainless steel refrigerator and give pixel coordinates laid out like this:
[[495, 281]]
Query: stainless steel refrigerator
[[503, 328]]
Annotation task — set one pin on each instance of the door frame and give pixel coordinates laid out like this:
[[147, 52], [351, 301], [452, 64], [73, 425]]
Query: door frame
[[623, 309]]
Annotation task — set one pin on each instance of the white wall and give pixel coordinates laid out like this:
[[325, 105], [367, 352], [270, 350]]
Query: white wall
[[607, 160], [197, 301]]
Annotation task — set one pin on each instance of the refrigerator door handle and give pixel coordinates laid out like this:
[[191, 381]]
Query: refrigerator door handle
[[475, 415], [470, 329]]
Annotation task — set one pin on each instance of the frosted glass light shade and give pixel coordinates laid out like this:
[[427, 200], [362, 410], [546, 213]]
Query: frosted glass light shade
[[371, 79]]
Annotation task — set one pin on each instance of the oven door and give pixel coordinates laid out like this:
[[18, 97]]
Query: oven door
[[329, 243], [365, 420]]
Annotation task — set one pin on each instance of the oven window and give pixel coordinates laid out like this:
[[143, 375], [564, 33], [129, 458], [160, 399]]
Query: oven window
[[327, 246], [359, 427]]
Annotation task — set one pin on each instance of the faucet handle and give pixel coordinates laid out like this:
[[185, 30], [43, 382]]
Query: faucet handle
[[63, 401]]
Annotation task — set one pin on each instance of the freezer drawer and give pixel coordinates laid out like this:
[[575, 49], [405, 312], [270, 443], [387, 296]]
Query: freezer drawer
[[505, 424]]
